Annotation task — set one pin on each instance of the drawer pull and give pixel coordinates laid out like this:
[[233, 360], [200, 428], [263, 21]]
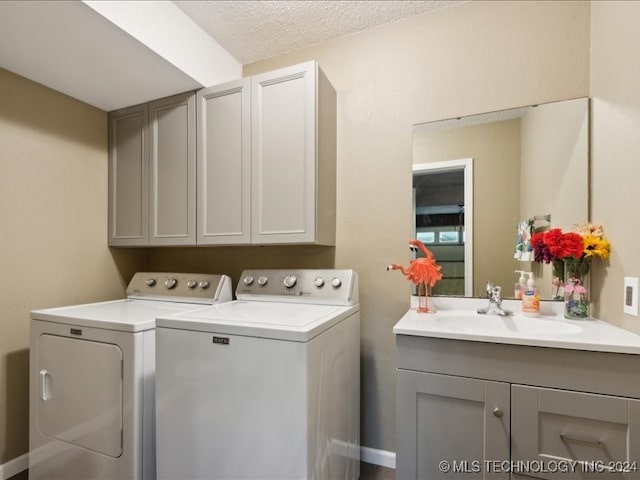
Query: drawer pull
[[497, 412], [578, 441]]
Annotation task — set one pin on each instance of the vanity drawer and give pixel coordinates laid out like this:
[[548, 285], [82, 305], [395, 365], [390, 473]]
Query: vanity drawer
[[556, 428]]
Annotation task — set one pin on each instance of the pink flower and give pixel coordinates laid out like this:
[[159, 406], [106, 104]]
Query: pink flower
[[574, 286]]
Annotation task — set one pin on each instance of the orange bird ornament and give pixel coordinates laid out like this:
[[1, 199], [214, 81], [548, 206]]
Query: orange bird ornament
[[422, 272]]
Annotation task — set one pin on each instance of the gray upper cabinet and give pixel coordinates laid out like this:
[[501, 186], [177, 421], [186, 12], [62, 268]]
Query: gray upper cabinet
[[249, 162], [128, 177], [224, 164], [293, 148], [152, 155], [172, 170]]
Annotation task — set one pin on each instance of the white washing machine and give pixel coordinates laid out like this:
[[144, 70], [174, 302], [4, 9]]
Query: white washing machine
[[266, 386], [92, 368]]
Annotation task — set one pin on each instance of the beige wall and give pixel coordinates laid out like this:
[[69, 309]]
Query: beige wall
[[615, 202], [53, 210], [554, 178], [477, 57]]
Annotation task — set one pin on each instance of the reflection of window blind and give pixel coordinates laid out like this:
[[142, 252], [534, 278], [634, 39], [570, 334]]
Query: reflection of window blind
[[449, 235], [440, 210], [426, 237]]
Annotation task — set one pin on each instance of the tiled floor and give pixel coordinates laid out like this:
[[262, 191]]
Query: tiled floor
[[375, 472], [367, 472], [21, 476]]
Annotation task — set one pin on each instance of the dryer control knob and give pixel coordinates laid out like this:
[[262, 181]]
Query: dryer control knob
[[170, 283], [204, 284], [192, 284], [151, 282], [290, 281], [336, 282], [263, 281], [319, 282], [248, 280]]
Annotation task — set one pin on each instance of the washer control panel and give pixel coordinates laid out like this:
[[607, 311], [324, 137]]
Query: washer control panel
[[331, 287], [190, 287]]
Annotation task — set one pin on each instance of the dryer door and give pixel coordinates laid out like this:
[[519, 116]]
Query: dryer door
[[80, 392]]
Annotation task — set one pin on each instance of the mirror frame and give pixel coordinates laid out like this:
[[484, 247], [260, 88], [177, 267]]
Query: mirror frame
[[465, 164]]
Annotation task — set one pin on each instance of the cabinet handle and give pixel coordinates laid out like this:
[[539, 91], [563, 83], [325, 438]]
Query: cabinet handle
[[497, 412], [578, 441]]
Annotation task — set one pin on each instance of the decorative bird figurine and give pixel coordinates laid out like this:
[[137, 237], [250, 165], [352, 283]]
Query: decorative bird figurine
[[422, 272]]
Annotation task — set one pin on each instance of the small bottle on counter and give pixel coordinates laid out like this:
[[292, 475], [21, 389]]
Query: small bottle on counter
[[531, 298], [520, 285]]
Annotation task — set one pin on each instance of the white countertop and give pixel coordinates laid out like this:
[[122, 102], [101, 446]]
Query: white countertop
[[457, 319]]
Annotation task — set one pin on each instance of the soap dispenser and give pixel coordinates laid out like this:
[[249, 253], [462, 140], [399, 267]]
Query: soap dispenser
[[531, 298], [520, 285]]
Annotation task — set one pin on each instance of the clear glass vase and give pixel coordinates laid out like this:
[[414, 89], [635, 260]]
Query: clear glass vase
[[576, 290]]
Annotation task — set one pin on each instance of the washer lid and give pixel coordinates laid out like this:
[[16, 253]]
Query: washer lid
[[281, 321], [124, 315]]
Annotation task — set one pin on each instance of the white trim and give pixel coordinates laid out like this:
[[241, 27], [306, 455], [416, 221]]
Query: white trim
[[14, 467], [465, 164], [378, 457], [373, 456]]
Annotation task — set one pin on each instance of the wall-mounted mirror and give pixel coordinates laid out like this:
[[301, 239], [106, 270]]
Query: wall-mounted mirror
[[527, 162]]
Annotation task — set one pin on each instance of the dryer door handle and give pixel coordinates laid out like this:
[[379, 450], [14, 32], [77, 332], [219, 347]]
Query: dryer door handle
[[45, 385]]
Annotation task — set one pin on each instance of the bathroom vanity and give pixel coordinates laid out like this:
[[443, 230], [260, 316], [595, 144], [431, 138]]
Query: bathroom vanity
[[499, 397]]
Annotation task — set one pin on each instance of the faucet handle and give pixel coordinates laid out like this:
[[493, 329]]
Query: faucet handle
[[496, 294]]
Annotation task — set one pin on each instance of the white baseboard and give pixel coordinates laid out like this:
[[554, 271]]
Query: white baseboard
[[378, 457], [367, 455], [14, 467]]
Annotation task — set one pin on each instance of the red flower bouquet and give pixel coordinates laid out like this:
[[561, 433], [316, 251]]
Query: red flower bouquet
[[570, 254]]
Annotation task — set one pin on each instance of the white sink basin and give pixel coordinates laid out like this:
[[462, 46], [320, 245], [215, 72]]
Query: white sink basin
[[456, 319], [470, 322]]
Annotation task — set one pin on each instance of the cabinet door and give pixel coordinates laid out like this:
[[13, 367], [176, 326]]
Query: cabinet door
[[128, 177], [172, 206], [283, 152], [224, 164], [591, 432], [450, 427]]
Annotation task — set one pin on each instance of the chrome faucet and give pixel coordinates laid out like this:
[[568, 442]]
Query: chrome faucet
[[494, 294]]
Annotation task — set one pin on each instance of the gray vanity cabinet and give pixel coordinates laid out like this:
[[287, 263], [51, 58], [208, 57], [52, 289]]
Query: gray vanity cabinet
[[449, 426], [152, 154], [495, 410], [557, 425]]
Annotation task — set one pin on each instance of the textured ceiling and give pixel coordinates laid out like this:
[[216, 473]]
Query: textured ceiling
[[255, 30]]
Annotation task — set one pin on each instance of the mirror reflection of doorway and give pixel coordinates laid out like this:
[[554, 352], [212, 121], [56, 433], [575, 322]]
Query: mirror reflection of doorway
[[439, 206]]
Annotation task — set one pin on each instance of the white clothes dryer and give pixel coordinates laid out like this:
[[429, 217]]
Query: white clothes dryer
[[266, 386], [92, 376]]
